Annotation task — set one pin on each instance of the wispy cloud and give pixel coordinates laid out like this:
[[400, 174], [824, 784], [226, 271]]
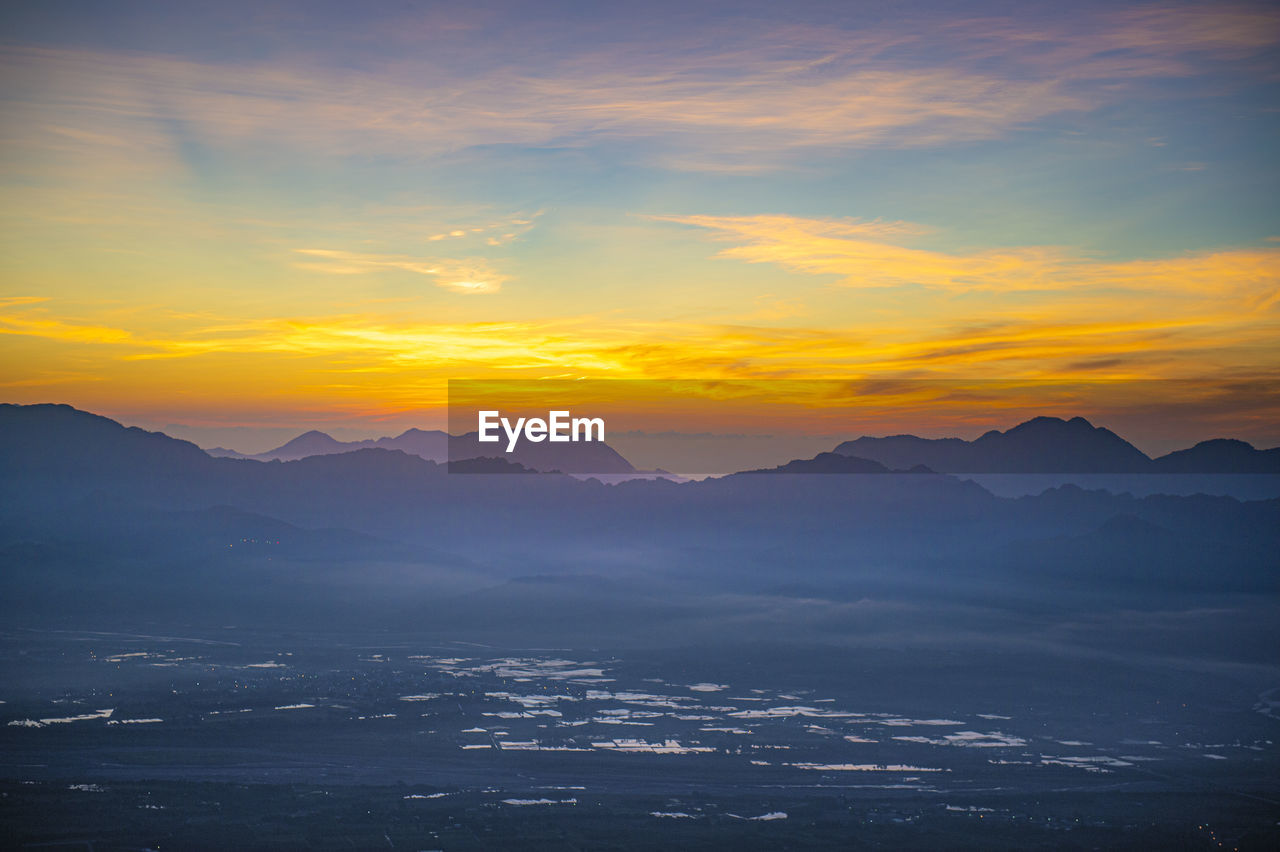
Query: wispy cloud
[[1033, 346], [870, 254], [69, 332], [745, 104], [365, 366], [161, 106], [12, 301], [1149, 40], [472, 275]]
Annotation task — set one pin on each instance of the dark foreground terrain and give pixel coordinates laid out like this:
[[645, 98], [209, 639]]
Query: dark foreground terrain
[[368, 651], [235, 739], [202, 815]]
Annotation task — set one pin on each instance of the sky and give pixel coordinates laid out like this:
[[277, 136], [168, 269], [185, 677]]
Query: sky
[[244, 220]]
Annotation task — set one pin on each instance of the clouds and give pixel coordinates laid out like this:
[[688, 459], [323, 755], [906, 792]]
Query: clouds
[[474, 275], [302, 200], [161, 107], [361, 367], [762, 96], [1039, 344], [1037, 312], [468, 275], [872, 255]]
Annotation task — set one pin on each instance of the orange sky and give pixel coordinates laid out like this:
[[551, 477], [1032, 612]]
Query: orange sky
[[246, 227]]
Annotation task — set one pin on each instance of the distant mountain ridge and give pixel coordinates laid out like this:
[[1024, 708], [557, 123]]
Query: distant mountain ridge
[[836, 463], [440, 447], [1040, 445], [431, 445], [93, 500], [1054, 445], [580, 457], [1220, 455], [50, 438]]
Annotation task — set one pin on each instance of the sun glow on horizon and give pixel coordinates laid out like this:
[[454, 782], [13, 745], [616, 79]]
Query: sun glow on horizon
[[195, 234]]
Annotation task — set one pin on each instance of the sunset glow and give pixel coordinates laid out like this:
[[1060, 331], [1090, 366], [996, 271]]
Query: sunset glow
[[323, 233]]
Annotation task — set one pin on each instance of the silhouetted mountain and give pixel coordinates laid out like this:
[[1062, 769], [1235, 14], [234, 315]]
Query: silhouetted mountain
[[1221, 455], [837, 463], [430, 445], [487, 465], [1040, 445], [60, 467], [437, 446], [57, 440], [313, 443], [565, 457], [224, 453], [827, 463]]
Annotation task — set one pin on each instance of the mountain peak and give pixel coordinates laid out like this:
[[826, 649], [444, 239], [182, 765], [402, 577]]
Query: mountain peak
[[1232, 444], [311, 443], [1042, 444], [315, 436], [1048, 423], [827, 463], [60, 437], [1220, 455]]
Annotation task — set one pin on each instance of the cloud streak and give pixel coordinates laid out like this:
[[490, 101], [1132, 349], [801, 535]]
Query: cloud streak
[[472, 275], [870, 255], [592, 345], [133, 104], [752, 103], [369, 364]]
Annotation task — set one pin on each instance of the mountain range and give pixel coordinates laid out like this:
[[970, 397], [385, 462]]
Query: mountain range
[[1053, 445], [122, 523], [437, 446], [432, 445], [1040, 445], [53, 457]]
